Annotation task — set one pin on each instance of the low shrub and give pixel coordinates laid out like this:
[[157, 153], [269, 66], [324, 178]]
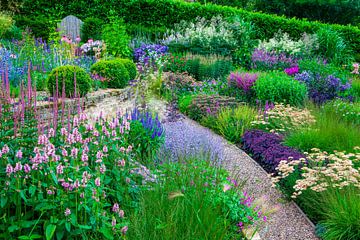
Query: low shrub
[[112, 73], [232, 122], [266, 148], [6, 23], [277, 87], [283, 119], [130, 67], [69, 76]]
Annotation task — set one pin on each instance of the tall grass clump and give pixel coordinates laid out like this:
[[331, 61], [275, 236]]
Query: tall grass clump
[[329, 133], [232, 122], [193, 200]]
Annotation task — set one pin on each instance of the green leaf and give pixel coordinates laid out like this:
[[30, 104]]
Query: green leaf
[[3, 201], [54, 177], [36, 236], [24, 238], [68, 226], [84, 226], [60, 234], [49, 232], [13, 228], [108, 234], [32, 190], [22, 195]]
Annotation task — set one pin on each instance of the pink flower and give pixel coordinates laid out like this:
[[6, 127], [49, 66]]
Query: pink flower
[[113, 222], [9, 169], [121, 163], [127, 180], [226, 187], [19, 154], [82, 195], [5, 149], [51, 132], [67, 212], [121, 213], [124, 230], [265, 218], [356, 68], [74, 152], [27, 168], [97, 181], [116, 207], [60, 169], [18, 167], [105, 149], [77, 39]]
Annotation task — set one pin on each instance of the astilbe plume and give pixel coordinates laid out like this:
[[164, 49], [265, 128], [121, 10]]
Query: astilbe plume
[[243, 81]]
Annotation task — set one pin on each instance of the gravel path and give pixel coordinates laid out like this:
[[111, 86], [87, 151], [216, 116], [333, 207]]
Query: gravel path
[[287, 223]]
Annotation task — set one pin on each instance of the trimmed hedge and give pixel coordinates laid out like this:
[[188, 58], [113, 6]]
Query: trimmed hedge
[[66, 75], [164, 13], [130, 67], [113, 73]]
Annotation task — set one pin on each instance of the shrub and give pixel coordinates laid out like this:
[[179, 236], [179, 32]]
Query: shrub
[[184, 102], [322, 88], [266, 148], [355, 89], [116, 39], [130, 67], [91, 29], [178, 83], [232, 123], [40, 26], [6, 22], [277, 87], [283, 119], [112, 73], [69, 76]]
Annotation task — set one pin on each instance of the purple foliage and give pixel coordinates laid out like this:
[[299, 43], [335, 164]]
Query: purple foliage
[[243, 81], [264, 60], [292, 70], [266, 148], [322, 88]]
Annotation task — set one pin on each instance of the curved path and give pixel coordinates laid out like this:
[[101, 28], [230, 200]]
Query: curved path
[[287, 223]]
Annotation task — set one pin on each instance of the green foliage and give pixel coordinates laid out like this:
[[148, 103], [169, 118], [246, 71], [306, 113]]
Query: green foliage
[[329, 133], [66, 76], [324, 69], [130, 67], [164, 13], [191, 203], [91, 29], [346, 111], [40, 26], [112, 73], [333, 47], [355, 89], [184, 102], [232, 122], [40, 80], [116, 39], [6, 22], [277, 87]]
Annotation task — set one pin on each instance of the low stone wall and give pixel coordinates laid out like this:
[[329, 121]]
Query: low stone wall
[[93, 103]]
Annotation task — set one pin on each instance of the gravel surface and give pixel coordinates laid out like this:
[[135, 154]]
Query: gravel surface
[[287, 222]]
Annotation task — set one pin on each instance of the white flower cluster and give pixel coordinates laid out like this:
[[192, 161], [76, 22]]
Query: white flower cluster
[[282, 42], [91, 45], [203, 33]]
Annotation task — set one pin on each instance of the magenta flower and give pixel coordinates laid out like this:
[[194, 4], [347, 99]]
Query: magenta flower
[[9, 169], [27, 168], [18, 167], [226, 187], [5, 149]]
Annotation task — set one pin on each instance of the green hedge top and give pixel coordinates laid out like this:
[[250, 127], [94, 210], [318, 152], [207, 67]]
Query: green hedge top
[[164, 13]]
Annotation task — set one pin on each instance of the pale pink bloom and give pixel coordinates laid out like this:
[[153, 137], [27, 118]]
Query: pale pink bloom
[[113, 222], [97, 181], [60, 169], [5, 149], [124, 230], [63, 132], [121, 213], [64, 153], [18, 167], [82, 195], [105, 149], [67, 212], [19, 154], [9, 169], [77, 39], [121, 162], [116, 207], [226, 187], [127, 180], [51, 132]]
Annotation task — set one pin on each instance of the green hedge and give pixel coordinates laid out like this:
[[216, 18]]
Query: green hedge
[[164, 13]]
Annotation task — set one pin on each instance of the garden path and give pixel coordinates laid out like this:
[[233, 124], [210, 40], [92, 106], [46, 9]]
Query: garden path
[[288, 222]]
